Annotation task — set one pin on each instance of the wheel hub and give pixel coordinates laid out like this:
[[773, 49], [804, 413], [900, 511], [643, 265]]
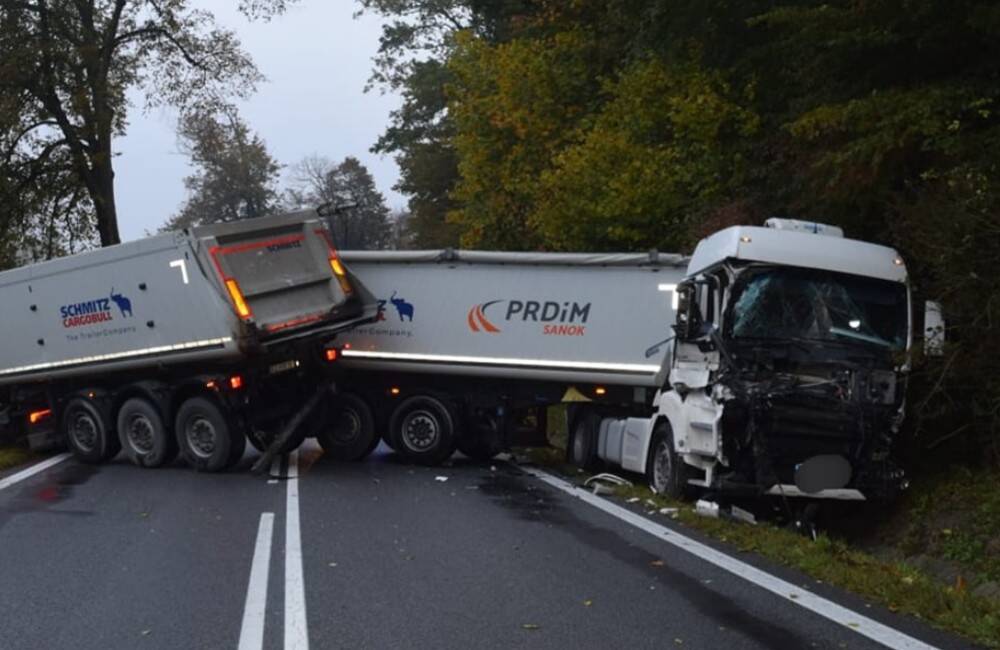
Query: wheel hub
[[140, 434], [84, 431], [420, 431], [201, 437], [347, 427]]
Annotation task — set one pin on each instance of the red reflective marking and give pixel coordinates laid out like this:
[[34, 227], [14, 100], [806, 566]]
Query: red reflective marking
[[292, 323], [472, 322]]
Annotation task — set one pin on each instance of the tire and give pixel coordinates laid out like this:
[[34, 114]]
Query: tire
[[581, 448], [482, 440], [422, 430], [205, 436], [143, 435], [86, 432], [666, 471], [350, 429]]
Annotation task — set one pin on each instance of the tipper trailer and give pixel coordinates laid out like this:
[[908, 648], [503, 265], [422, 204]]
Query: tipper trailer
[[186, 341], [468, 348], [772, 361]]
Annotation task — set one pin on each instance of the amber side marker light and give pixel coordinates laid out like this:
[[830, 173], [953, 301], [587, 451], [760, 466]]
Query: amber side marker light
[[331, 355], [600, 390], [38, 416], [236, 382], [238, 301], [394, 390]]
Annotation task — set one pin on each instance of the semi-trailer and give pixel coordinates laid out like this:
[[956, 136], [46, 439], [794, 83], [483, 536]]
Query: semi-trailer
[[189, 342], [773, 360]]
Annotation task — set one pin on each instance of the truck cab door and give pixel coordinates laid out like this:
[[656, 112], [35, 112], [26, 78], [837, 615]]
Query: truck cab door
[[693, 358]]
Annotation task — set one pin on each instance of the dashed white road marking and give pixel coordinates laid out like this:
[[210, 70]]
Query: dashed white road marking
[[13, 479], [252, 632], [785, 590], [296, 630]]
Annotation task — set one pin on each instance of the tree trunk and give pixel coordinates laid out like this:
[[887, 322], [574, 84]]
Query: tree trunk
[[104, 198]]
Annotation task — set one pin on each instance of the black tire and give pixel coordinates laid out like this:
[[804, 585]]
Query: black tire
[[143, 435], [483, 439], [205, 436], [666, 471], [581, 448], [86, 432], [422, 430], [350, 428]]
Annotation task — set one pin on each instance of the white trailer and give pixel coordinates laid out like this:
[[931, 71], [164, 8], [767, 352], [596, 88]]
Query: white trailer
[[468, 346]]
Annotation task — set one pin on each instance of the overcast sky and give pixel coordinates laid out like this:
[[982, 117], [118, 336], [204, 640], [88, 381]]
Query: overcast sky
[[316, 58]]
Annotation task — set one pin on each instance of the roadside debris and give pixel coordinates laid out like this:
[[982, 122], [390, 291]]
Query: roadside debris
[[602, 490], [632, 500], [441, 479], [707, 509], [671, 512], [712, 509], [604, 484]]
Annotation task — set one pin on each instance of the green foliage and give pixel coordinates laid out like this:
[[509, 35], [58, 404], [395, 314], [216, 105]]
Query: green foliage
[[639, 171]]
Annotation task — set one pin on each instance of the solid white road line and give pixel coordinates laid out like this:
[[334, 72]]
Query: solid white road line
[[34, 469], [252, 632], [296, 632], [785, 590]]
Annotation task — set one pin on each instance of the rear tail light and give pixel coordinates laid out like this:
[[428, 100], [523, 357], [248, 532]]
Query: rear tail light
[[238, 301]]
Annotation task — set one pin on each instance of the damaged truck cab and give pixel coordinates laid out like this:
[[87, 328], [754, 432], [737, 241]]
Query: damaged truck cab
[[788, 370]]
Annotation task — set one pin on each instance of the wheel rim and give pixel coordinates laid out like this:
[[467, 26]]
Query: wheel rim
[[140, 434], [346, 427], [201, 437], [421, 431], [662, 466], [84, 430]]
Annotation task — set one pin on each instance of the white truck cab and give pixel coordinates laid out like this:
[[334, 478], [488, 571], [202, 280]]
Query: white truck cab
[[787, 372]]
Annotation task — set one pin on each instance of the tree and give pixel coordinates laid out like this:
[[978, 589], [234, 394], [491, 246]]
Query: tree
[[359, 217], [72, 61], [236, 177], [416, 43], [44, 211]]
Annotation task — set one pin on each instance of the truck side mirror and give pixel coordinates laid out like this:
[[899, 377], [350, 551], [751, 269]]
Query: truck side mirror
[[934, 325], [689, 319]]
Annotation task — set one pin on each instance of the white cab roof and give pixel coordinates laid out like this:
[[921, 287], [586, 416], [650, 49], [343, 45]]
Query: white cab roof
[[797, 248]]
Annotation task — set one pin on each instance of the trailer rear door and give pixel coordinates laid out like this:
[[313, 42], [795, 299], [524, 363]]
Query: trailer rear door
[[284, 277]]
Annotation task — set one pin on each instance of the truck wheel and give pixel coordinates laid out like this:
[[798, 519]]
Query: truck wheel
[[350, 429], [86, 433], [666, 471], [422, 429], [205, 436], [143, 436], [482, 440], [581, 448]]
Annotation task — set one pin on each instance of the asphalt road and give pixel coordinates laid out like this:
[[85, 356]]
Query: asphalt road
[[375, 555]]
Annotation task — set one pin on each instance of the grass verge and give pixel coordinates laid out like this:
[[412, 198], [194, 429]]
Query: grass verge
[[893, 584], [13, 456]]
